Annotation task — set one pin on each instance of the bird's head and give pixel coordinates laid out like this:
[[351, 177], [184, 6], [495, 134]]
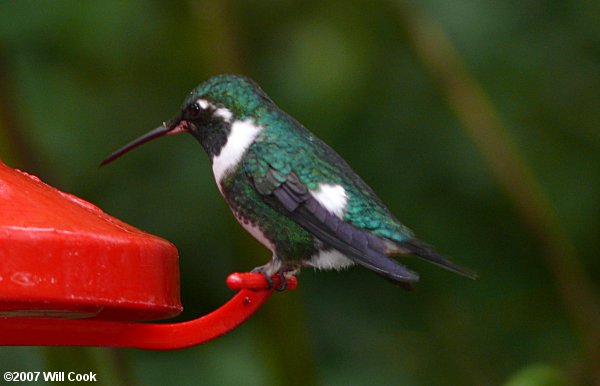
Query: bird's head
[[208, 113]]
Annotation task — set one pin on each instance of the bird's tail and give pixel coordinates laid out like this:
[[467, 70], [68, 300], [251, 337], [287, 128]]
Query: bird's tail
[[418, 248]]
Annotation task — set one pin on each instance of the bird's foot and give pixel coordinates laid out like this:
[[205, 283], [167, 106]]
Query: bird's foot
[[282, 282], [281, 276], [276, 269]]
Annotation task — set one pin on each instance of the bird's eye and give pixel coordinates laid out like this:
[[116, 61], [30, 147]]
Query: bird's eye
[[193, 110]]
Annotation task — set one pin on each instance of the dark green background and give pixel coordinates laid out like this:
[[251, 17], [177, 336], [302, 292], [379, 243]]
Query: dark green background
[[476, 122]]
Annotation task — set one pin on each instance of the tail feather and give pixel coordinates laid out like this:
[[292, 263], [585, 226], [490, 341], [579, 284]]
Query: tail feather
[[426, 252]]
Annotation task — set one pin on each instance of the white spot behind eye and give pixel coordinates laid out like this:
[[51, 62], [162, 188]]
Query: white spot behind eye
[[203, 103], [224, 113]]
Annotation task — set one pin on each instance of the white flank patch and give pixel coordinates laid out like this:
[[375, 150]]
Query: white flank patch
[[241, 136], [256, 232], [332, 197], [330, 259]]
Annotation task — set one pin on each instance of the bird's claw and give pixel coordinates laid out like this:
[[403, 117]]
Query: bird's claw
[[270, 284], [282, 282]]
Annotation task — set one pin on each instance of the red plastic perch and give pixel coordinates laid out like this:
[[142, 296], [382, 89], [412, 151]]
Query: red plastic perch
[[71, 275], [153, 336]]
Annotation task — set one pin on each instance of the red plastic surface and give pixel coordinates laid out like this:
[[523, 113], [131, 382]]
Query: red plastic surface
[[66, 267], [65, 332], [61, 256]]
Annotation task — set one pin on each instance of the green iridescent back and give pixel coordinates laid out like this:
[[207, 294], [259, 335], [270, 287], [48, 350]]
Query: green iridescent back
[[288, 147]]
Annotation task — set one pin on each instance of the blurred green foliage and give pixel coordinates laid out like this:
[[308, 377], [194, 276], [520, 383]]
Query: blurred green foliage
[[79, 79]]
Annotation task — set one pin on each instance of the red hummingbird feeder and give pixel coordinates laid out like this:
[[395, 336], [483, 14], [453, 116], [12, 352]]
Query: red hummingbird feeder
[[71, 275]]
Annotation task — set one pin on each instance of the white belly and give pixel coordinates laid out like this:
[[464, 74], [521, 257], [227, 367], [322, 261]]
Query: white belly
[[330, 259], [256, 232]]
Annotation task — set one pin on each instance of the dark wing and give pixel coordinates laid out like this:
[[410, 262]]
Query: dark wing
[[364, 248], [425, 251]]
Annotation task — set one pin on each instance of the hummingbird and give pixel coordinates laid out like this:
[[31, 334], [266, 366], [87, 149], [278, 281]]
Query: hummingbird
[[289, 189]]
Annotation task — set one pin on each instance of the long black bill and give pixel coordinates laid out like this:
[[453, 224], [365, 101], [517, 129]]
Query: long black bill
[[158, 132]]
